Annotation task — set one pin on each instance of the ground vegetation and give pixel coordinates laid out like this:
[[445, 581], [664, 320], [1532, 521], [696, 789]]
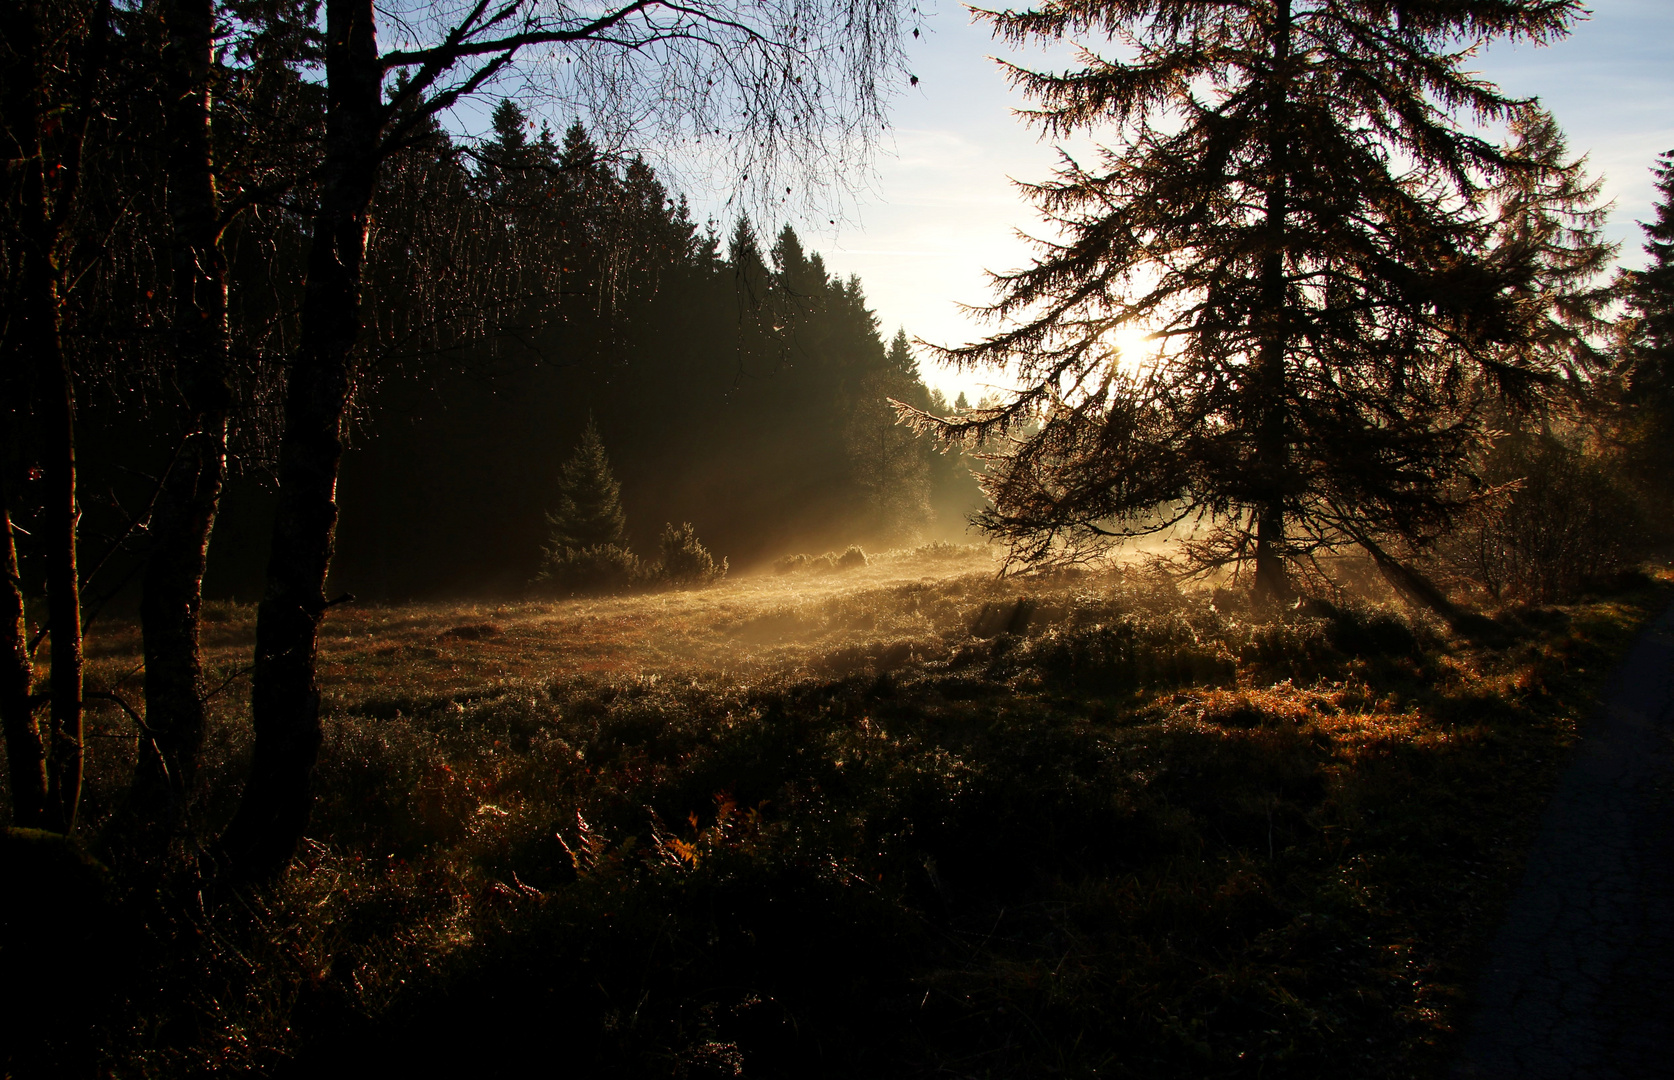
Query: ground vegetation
[[906, 820]]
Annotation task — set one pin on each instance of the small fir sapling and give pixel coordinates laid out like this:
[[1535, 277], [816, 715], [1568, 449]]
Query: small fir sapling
[[586, 550]]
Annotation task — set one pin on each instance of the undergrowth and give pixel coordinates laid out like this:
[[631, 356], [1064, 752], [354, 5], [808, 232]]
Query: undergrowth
[[1087, 826]]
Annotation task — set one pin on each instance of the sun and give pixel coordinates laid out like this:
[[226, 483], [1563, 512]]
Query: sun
[[1134, 343]]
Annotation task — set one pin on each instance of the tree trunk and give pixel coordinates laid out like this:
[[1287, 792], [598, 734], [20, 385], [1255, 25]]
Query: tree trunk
[[285, 701], [35, 342], [184, 514], [61, 519], [1413, 585], [1272, 427], [25, 754]]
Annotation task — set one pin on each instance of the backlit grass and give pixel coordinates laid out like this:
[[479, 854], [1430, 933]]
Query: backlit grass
[[904, 820]]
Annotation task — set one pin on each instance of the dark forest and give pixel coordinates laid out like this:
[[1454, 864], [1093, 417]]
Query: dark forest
[[737, 384]]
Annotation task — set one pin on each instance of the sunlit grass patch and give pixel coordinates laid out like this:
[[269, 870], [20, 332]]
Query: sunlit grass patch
[[877, 827]]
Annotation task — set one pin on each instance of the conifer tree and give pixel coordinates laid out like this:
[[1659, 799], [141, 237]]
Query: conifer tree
[[1332, 264], [1650, 347], [589, 511], [751, 280]]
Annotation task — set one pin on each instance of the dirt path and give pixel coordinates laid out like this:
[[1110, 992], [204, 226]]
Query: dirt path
[[1581, 982]]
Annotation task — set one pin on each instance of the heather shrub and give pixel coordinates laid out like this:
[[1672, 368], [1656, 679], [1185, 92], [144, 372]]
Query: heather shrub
[[685, 561], [790, 564], [944, 551], [851, 558], [603, 568]]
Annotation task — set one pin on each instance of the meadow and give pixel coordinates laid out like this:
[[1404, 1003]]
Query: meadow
[[907, 819]]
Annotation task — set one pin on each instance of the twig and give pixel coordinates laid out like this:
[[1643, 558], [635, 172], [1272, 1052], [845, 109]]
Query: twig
[[108, 695], [230, 679], [149, 735]]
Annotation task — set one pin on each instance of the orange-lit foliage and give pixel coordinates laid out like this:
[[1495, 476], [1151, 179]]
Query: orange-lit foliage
[[906, 819]]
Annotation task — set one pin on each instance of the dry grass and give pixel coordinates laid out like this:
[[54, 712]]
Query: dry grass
[[900, 820]]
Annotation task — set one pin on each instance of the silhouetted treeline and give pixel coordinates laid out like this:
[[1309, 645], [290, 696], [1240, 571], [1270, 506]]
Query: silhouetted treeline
[[516, 288], [744, 390]]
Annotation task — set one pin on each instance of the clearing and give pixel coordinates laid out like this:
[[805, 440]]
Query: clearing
[[906, 819]]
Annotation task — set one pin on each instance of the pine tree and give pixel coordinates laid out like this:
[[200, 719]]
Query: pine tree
[[1331, 262], [589, 512]]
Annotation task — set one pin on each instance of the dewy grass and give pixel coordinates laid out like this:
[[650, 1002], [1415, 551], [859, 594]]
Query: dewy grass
[[882, 824]]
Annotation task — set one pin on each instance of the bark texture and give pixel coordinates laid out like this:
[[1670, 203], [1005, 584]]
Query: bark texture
[[184, 514], [25, 753], [285, 701], [35, 344]]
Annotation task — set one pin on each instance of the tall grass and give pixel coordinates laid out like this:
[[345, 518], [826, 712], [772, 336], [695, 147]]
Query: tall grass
[[1085, 825]]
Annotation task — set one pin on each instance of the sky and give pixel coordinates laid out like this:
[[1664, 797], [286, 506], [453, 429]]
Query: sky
[[941, 207]]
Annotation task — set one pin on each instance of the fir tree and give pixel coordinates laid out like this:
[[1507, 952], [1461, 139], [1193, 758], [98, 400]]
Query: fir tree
[[749, 268], [891, 462], [1342, 277], [902, 366], [589, 512], [510, 125], [1651, 304], [1648, 350]]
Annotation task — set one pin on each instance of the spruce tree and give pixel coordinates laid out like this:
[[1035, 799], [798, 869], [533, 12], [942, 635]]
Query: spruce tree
[[902, 368], [1651, 310], [1342, 278], [589, 511]]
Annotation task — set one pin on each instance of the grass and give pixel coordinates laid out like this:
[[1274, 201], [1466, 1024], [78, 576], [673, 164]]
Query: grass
[[905, 820]]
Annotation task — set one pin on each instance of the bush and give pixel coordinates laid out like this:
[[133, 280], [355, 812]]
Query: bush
[[685, 561], [602, 568], [850, 559], [943, 551], [1569, 521]]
